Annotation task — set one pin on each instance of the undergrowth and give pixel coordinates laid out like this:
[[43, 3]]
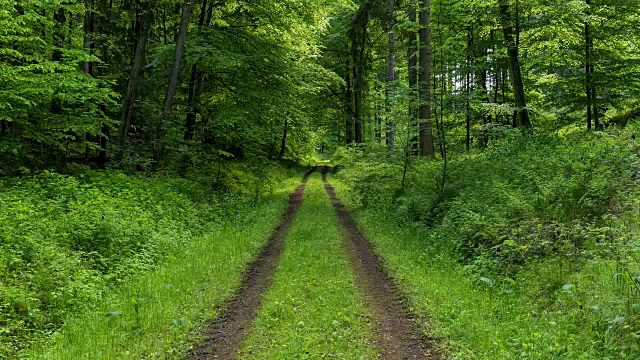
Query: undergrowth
[[67, 241], [547, 219]]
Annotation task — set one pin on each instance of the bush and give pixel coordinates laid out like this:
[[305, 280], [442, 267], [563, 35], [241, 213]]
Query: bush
[[546, 225], [524, 196], [65, 240]]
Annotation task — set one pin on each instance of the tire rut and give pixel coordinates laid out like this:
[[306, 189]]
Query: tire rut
[[396, 332], [237, 317]]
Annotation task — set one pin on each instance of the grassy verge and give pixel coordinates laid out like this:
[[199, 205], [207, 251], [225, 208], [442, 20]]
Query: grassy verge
[[66, 241], [157, 314], [553, 310], [313, 310]]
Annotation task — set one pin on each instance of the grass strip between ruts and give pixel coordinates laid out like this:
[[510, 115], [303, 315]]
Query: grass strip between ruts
[[313, 309], [158, 314]]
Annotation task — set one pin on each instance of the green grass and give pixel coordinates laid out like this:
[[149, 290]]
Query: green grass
[[313, 310], [554, 310], [157, 314], [65, 241]]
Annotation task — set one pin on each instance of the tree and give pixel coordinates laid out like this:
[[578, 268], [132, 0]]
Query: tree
[[187, 8], [358, 36], [145, 22], [588, 71], [391, 80], [412, 59], [256, 78], [521, 115], [426, 124]]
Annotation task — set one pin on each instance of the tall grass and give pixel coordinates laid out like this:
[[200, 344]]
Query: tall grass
[[548, 312], [159, 313]]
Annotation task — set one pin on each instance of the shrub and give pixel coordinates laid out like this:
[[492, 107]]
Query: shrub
[[524, 196], [66, 240]]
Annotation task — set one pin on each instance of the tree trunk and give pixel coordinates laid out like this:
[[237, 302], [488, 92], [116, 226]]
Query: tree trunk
[[592, 110], [356, 99], [209, 14], [503, 84], [357, 68], [496, 79], [283, 147], [89, 46], [587, 71], [391, 78], [497, 71], [378, 120], [190, 121], [594, 99], [358, 35], [60, 19], [359, 118], [426, 123], [87, 67], [481, 76], [101, 15], [412, 56], [522, 119], [132, 87], [349, 101], [187, 8], [468, 90], [88, 34], [102, 155]]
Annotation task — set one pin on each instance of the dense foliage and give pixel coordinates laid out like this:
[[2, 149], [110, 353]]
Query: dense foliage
[[554, 214], [66, 241], [85, 80], [454, 85], [514, 200], [463, 118], [161, 83]]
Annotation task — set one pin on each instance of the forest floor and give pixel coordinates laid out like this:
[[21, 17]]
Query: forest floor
[[317, 290]]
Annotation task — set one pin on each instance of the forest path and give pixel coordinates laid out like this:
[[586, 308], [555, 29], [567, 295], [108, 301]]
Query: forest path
[[265, 319], [313, 309], [237, 317], [396, 332]]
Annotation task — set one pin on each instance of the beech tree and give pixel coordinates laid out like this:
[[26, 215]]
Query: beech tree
[[176, 82], [187, 8], [143, 26], [426, 124]]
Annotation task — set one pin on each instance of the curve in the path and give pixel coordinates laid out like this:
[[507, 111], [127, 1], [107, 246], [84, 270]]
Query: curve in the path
[[237, 317], [397, 334]]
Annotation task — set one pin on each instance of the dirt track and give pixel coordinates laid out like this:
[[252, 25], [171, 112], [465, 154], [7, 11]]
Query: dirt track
[[396, 332], [237, 317]]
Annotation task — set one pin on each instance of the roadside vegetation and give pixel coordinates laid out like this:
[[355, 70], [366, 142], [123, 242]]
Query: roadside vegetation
[[529, 250], [127, 251]]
